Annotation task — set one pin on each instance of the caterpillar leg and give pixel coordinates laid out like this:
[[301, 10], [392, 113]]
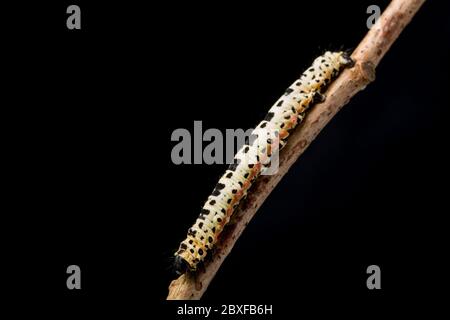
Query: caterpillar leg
[[346, 60], [319, 97]]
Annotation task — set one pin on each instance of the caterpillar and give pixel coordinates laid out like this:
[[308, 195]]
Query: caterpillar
[[252, 158]]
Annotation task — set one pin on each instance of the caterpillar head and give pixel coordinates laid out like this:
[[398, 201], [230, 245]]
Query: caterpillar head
[[180, 265]]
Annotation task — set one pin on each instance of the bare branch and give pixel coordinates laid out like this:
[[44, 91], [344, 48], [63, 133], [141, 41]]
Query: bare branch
[[366, 56]]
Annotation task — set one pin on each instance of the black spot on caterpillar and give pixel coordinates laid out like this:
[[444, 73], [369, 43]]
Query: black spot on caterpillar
[[269, 116], [251, 160]]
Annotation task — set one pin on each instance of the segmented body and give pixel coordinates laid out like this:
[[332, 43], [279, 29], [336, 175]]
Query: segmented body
[[272, 134]]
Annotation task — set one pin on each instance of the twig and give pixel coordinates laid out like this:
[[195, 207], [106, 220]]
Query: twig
[[366, 56]]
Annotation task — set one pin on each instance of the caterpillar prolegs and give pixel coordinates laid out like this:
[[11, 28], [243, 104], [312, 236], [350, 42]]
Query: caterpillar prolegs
[[252, 159]]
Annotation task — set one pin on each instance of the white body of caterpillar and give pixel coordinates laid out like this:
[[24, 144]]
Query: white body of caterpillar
[[251, 159]]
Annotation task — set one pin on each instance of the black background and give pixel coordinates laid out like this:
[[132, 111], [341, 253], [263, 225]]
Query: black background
[[93, 183]]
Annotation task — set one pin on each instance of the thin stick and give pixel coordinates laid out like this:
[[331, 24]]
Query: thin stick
[[366, 56]]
